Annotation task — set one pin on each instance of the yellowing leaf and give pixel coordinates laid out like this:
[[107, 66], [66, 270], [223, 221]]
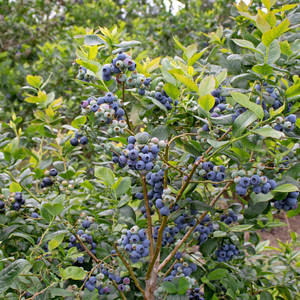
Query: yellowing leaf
[[93, 52], [269, 36], [35, 81]]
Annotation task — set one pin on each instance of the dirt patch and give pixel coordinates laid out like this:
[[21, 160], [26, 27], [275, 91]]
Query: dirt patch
[[282, 232]]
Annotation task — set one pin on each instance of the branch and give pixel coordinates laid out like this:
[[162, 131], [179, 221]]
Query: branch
[[129, 270], [149, 225], [163, 264]]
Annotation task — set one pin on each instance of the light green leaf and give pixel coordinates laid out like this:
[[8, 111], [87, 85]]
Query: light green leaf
[[93, 52], [105, 174], [169, 287], [89, 66], [93, 39], [207, 102], [75, 273], [56, 241], [293, 92], [207, 85], [263, 70], [221, 76], [123, 186], [244, 101], [246, 44], [217, 274], [78, 122], [239, 228], [188, 82], [262, 25], [285, 188], [172, 91], [269, 132], [272, 34], [183, 285], [15, 187], [35, 81]]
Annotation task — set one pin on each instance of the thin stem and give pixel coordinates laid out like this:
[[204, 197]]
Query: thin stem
[[129, 270], [126, 113], [86, 249], [149, 225], [168, 258], [181, 135]]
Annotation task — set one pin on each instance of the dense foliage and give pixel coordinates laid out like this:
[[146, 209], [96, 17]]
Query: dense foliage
[[153, 178]]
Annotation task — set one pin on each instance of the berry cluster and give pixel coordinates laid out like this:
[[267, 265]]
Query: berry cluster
[[182, 268], [168, 234], [195, 294], [289, 202], [286, 124], [226, 252], [134, 242], [78, 138], [163, 97], [208, 171], [260, 184], [140, 153], [83, 75], [228, 219], [47, 181], [119, 65], [16, 199], [219, 105], [139, 81]]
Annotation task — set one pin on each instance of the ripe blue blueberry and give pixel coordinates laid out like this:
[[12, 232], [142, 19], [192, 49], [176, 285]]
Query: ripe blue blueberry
[[84, 140]]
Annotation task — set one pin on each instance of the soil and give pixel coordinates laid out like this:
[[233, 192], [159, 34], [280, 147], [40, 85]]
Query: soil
[[282, 232]]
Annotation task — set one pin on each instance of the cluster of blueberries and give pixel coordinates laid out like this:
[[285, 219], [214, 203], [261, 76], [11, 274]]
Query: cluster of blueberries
[[181, 268], [261, 184], [195, 294], [208, 171], [135, 243], [83, 75], [140, 154], [119, 65], [19, 201], [219, 105], [168, 234], [289, 202], [85, 238], [164, 99], [271, 93], [286, 124], [47, 181], [96, 282], [226, 252], [228, 219]]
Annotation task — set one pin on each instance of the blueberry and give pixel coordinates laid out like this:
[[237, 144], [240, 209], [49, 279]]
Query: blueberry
[[18, 197], [139, 196], [121, 56], [135, 238], [178, 255], [211, 175], [74, 141], [47, 181], [220, 176], [266, 188], [149, 166], [292, 118], [140, 165], [241, 191], [159, 203], [86, 224], [294, 194], [34, 215], [164, 211], [84, 140], [53, 172], [244, 182], [272, 183], [255, 180]]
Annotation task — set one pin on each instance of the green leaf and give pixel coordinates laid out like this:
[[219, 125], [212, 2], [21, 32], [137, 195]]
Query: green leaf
[[157, 103], [9, 274], [60, 292], [207, 102], [208, 247], [223, 120], [123, 186], [56, 241], [125, 44], [239, 228], [172, 91], [75, 273], [54, 209], [255, 210], [128, 212], [35, 81], [78, 121], [246, 44], [201, 206], [261, 197], [89, 66], [285, 188], [293, 92], [293, 171], [217, 144], [269, 132], [221, 76], [217, 274], [263, 69], [15, 187], [272, 34], [24, 236], [188, 82], [93, 52], [266, 296], [244, 101], [46, 215], [206, 86], [105, 174], [92, 39], [273, 53], [285, 48], [183, 285], [262, 25], [169, 287], [161, 132]]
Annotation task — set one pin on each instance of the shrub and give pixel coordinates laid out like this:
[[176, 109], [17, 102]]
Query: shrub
[[171, 140]]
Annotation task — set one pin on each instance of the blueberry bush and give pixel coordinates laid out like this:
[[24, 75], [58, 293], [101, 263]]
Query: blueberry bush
[[159, 185]]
